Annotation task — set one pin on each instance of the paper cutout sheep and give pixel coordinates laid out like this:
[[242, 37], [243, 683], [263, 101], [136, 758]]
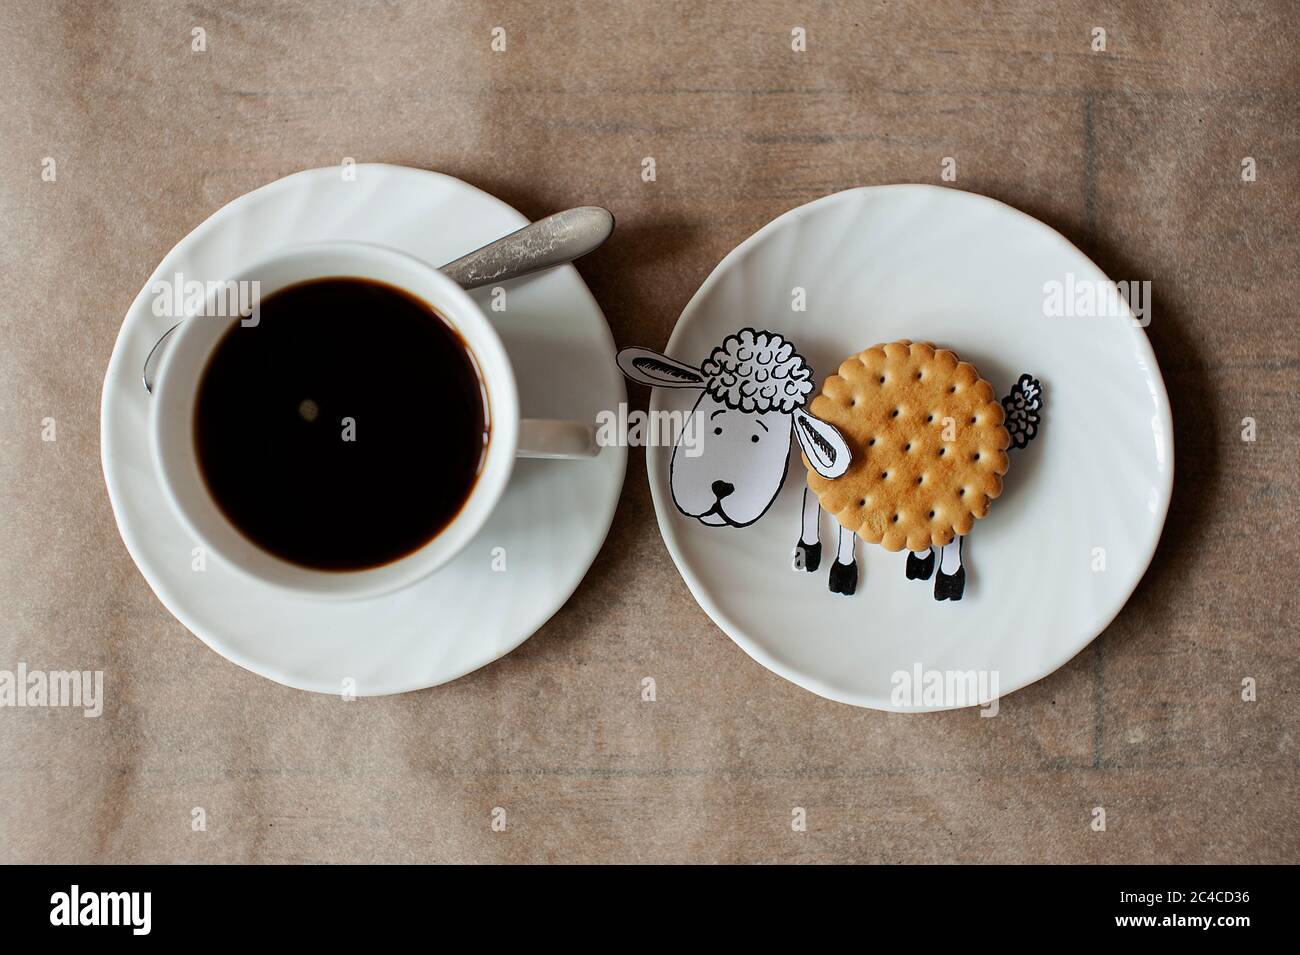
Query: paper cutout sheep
[[754, 391]]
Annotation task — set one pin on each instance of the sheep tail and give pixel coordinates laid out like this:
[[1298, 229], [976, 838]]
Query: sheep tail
[[1023, 406]]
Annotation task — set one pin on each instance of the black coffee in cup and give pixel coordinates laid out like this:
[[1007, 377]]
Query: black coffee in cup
[[345, 429]]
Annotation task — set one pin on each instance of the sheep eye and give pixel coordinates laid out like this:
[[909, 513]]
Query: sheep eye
[[754, 438], [717, 431]]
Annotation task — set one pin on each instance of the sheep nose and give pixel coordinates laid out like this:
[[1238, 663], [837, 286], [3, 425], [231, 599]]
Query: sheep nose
[[722, 488]]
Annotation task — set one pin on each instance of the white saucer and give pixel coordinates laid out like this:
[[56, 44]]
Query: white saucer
[[549, 525], [932, 264]]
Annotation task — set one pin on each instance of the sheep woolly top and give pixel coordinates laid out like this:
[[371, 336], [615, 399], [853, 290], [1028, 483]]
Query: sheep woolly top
[[756, 371]]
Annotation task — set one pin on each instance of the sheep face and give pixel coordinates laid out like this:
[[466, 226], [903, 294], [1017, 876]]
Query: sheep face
[[740, 468], [753, 388]]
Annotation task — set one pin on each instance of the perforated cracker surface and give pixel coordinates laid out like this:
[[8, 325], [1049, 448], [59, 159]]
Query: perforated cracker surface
[[928, 443]]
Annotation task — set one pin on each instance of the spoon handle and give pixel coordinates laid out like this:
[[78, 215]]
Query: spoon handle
[[548, 242]]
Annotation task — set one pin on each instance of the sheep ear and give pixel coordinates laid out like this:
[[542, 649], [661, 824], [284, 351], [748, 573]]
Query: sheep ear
[[648, 367], [825, 447]]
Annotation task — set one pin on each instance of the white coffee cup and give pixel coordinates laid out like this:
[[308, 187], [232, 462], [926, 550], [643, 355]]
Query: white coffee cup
[[176, 391]]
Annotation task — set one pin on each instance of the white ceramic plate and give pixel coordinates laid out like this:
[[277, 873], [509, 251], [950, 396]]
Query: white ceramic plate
[[549, 524], [932, 264]]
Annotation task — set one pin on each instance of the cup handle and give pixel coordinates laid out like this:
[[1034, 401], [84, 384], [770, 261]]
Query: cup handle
[[542, 438]]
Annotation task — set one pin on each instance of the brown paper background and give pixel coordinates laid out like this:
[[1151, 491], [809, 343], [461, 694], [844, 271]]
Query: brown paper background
[[1134, 154]]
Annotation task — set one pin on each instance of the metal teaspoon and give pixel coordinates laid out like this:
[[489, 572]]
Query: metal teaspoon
[[546, 243]]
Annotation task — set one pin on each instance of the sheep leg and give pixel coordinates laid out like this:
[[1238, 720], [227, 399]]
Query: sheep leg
[[844, 572], [950, 582], [920, 564], [808, 551]]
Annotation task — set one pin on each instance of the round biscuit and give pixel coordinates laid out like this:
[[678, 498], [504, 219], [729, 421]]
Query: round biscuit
[[928, 445]]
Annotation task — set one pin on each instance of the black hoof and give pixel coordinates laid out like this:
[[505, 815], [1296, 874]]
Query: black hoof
[[950, 586], [844, 578], [920, 568], [807, 556]]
